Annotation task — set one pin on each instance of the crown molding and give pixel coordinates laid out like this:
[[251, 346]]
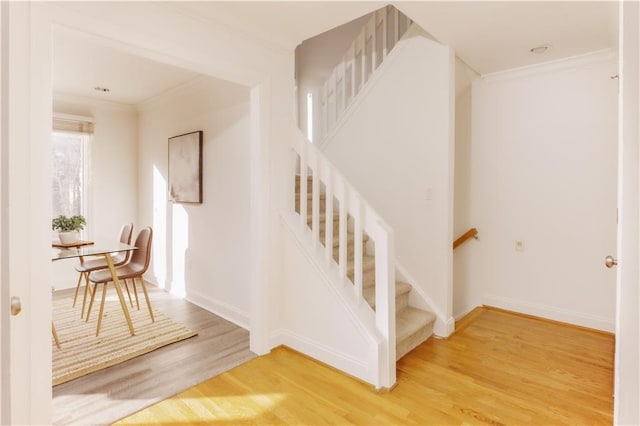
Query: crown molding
[[91, 102], [555, 65], [172, 94]]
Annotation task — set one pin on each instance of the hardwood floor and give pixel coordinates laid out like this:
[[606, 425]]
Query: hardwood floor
[[113, 393], [498, 368]]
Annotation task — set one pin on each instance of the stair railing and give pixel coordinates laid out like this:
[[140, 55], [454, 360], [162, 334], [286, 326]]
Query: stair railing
[[353, 212], [471, 233], [372, 45]]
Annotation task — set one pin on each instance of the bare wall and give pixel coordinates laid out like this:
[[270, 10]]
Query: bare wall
[[543, 172], [201, 250]]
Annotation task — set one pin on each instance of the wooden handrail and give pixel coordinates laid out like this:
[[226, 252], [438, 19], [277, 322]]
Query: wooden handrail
[[471, 233]]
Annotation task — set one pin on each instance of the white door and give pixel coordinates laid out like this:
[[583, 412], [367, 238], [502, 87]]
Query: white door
[[25, 339], [627, 362]]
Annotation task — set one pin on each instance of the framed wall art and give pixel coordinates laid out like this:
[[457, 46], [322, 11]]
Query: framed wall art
[[185, 168]]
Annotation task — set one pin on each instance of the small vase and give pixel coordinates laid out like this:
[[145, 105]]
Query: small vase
[[69, 237]]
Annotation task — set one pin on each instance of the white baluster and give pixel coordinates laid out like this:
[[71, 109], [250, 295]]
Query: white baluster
[[328, 224], [293, 172], [353, 70], [384, 34], [357, 247], [344, 86], [315, 200], [342, 231], [396, 29], [374, 38], [303, 186], [363, 58]]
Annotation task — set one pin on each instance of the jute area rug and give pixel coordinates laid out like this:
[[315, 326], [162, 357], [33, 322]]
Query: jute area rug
[[81, 352]]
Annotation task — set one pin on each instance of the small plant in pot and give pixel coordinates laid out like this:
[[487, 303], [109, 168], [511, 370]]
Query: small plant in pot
[[68, 228]]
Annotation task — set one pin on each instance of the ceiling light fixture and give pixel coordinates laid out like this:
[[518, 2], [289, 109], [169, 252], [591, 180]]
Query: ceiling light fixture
[[538, 50], [102, 89]]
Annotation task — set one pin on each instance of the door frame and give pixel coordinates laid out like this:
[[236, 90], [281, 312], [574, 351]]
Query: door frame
[[627, 346], [27, 400]]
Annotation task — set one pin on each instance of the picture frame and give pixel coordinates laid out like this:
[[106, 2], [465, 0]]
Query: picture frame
[[185, 168]]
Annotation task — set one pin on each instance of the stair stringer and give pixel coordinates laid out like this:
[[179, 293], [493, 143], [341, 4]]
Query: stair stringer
[[335, 327]]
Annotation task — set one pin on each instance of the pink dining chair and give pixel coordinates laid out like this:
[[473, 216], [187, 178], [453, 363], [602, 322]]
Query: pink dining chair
[[86, 267], [137, 266]]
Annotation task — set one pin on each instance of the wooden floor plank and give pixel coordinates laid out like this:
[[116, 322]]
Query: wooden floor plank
[[499, 369], [113, 393]]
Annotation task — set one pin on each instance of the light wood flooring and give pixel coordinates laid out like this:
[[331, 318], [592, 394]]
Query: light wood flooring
[[115, 392], [497, 369]]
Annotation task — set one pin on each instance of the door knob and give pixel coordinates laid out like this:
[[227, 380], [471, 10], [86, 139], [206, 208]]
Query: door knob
[[16, 306], [610, 261]]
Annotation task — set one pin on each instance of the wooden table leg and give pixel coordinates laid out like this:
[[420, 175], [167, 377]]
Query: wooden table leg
[[116, 284]]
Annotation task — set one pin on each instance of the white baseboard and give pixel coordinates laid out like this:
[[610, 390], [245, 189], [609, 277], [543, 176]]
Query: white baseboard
[[444, 328], [217, 307], [552, 313], [226, 311], [316, 350]]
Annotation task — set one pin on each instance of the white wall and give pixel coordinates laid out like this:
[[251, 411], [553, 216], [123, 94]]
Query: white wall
[[396, 149], [200, 250], [543, 171], [113, 177]]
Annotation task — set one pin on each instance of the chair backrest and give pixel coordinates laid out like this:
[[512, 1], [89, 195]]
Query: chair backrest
[[141, 258], [126, 232], [125, 237]]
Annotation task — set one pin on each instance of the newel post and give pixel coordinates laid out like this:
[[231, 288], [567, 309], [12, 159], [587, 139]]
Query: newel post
[[386, 304]]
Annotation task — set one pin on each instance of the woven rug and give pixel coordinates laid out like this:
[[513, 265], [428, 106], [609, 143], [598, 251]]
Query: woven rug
[[81, 352]]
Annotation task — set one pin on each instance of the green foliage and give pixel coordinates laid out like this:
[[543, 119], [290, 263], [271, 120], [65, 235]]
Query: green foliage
[[66, 224]]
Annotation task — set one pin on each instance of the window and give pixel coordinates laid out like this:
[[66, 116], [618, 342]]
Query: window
[[68, 152]]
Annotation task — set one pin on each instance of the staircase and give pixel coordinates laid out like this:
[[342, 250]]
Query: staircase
[[413, 325]]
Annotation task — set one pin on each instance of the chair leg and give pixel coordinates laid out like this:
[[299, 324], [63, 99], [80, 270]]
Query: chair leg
[[126, 286], [55, 335], [93, 296], [87, 287], [104, 297], [75, 295], [135, 292], [146, 296]]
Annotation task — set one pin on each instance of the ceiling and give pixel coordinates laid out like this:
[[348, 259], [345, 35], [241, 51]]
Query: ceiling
[[81, 63], [492, 36], [488, 36]]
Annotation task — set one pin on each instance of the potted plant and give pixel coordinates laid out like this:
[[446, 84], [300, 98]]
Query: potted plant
[[68, 228]]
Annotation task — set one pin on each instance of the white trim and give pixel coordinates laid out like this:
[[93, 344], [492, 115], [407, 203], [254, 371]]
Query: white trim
[[222, 309], [91, 102], [169, 95], [556, 65], [73, 117], [326, 355], [550, 312]]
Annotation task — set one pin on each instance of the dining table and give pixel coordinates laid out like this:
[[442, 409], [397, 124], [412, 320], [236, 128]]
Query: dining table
[[82, 249]]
